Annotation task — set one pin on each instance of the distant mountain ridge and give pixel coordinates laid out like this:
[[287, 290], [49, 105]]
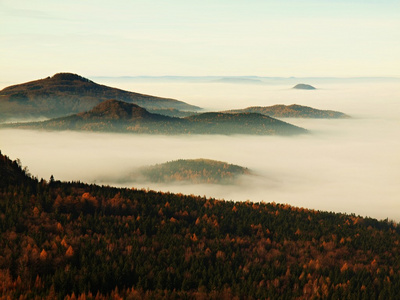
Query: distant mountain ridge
[[238, 80], [67, 93], [291, 111], [119, 116], [263, 79]]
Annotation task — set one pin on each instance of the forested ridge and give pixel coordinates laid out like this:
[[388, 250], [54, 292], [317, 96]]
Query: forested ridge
[[292, 111], [119, 116], [74, 240]]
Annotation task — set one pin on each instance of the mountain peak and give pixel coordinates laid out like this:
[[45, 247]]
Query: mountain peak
[[69, 77]]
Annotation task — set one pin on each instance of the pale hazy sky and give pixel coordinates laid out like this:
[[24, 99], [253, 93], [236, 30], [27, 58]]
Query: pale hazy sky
[[182, 37]]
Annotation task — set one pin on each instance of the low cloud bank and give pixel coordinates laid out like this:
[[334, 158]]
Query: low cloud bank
[[350, 165]]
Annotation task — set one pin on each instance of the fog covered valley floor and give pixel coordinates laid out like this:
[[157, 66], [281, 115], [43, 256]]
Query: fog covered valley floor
[[349, 165]]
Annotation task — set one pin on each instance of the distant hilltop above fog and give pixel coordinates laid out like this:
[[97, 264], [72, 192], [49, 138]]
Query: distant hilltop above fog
[[119, 116], [67, 93], [302, 86], [194, 171], [292, 111]]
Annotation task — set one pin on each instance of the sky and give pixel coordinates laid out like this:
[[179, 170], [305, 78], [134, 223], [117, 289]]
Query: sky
[[196, 38]]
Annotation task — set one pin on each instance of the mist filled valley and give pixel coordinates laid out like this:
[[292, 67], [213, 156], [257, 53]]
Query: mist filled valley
[[342, 165], [200, 150]]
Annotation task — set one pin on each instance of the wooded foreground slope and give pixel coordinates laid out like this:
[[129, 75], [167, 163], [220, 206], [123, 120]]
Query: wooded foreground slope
[[74, 240]]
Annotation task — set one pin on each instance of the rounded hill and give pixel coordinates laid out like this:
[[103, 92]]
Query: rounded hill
[[68, 77], [302, 86], [194, 171], [116, 110]]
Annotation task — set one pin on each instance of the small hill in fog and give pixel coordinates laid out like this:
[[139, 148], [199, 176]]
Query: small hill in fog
[[66, 93], [194, 171], [292, 111], [302, 86], [119, 116]]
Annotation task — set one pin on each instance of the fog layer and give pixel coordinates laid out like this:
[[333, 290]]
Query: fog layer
[[350, 165]]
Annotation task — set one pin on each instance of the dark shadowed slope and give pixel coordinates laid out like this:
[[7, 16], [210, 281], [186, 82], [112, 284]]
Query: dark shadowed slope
[[11, 173], [118, 116], [66, 93], [292, 111]]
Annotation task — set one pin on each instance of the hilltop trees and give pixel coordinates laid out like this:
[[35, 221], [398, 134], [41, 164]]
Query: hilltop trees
[[195, 171]]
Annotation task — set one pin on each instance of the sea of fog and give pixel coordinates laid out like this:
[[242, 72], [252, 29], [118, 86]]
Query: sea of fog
[[350, 165]]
